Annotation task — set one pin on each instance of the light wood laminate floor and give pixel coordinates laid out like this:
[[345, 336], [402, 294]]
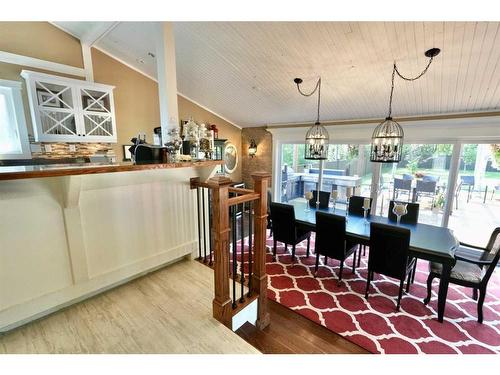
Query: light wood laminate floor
[[167, 311]]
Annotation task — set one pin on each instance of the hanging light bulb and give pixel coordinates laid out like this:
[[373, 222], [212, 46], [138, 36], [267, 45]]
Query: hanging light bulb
[[387, 138], [317, 138]]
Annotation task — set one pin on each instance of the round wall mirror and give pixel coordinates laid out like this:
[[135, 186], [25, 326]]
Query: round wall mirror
[[230, 158]]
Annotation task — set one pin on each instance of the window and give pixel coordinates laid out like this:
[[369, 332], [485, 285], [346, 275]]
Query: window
[[421, 176], [476, 199], [13, 133], [347, 165]]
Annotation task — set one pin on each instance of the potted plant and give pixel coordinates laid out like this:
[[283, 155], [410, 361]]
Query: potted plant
[[438, 203]]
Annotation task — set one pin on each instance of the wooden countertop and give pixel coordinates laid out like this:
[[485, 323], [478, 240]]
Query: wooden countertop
[[57, 170]]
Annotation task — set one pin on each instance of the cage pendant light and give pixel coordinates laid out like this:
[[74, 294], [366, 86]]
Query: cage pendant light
[[387, 138], [317, 138]]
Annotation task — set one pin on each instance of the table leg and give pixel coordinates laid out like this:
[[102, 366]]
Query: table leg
[[485, 193], [443, 290], [414, 195]]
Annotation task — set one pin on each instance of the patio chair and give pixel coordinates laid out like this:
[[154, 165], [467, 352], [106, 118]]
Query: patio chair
[[332, 242], [389, 246], [401, 186], [473, 269], [425, 189], [407, 176], [428, 178], [285, 228], [468, 182]]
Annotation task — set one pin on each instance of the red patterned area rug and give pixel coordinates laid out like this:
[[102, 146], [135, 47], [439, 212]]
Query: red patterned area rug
[[375, 324]]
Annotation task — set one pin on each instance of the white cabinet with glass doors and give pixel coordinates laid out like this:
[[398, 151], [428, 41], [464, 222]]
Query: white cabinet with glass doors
[[70, 110]]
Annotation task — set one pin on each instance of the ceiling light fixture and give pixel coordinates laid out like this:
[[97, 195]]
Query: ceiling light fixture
[[317, 138], [387, 138]]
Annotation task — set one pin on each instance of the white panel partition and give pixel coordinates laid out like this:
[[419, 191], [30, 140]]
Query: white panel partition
[[64, 239]]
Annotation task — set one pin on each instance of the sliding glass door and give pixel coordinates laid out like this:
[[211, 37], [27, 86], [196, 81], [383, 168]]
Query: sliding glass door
[[347, 167], [421, 177], [476, 199], [471, 207]]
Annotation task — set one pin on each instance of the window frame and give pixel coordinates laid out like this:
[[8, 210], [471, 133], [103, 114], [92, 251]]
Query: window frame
[[456, 131], [15, 88]]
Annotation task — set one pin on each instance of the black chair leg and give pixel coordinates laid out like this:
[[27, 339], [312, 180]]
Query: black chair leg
[[317, 265], [474, 294], [359, 256], [308, 244], [274, 250], [480, 301], [293, 253], [364, 250], [326, 261], [429, 288], [354, 261], [368, 279], [401, 284], [410, 277], [414, 271], [341, 269]]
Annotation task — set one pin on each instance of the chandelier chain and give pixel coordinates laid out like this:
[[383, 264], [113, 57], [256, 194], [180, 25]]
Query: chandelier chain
[[316, 88], [396, 71]]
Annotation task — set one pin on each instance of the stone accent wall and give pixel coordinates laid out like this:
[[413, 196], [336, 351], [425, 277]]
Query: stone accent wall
[[61, 150], [263, 160]]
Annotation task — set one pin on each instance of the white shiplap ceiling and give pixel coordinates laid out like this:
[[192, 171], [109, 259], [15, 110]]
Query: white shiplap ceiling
[[244, 70]]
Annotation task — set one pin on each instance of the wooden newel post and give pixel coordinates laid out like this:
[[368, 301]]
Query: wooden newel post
[[222, 310], [259, 284]]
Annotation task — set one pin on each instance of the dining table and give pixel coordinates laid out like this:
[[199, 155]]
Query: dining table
[[428, 242]]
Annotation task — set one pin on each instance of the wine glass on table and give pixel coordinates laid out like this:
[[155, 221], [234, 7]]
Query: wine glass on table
[[366, 207], [334, 196], [399, 209], [308, 196], [348, 195]]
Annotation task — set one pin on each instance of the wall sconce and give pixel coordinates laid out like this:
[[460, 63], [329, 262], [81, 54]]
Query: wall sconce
[[252, 150]]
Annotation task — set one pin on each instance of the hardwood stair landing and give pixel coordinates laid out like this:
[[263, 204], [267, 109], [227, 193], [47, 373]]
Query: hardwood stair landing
[[291, 333]]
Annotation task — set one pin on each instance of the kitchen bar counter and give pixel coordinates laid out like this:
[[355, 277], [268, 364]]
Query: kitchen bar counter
[[57, 170]]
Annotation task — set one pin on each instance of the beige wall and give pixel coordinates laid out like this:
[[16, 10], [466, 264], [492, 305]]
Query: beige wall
[[40, 40], [136, 96], [226, 130]]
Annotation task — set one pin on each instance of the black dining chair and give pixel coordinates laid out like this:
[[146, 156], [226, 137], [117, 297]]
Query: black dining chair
[[269, 221], [356, 205], [331, 241], [356, 208], [388, 255], [410, 218], [473, 269], [324, 199], [285, 228]]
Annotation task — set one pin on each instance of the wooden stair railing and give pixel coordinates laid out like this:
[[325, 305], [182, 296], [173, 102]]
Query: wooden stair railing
[[224, 308]]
